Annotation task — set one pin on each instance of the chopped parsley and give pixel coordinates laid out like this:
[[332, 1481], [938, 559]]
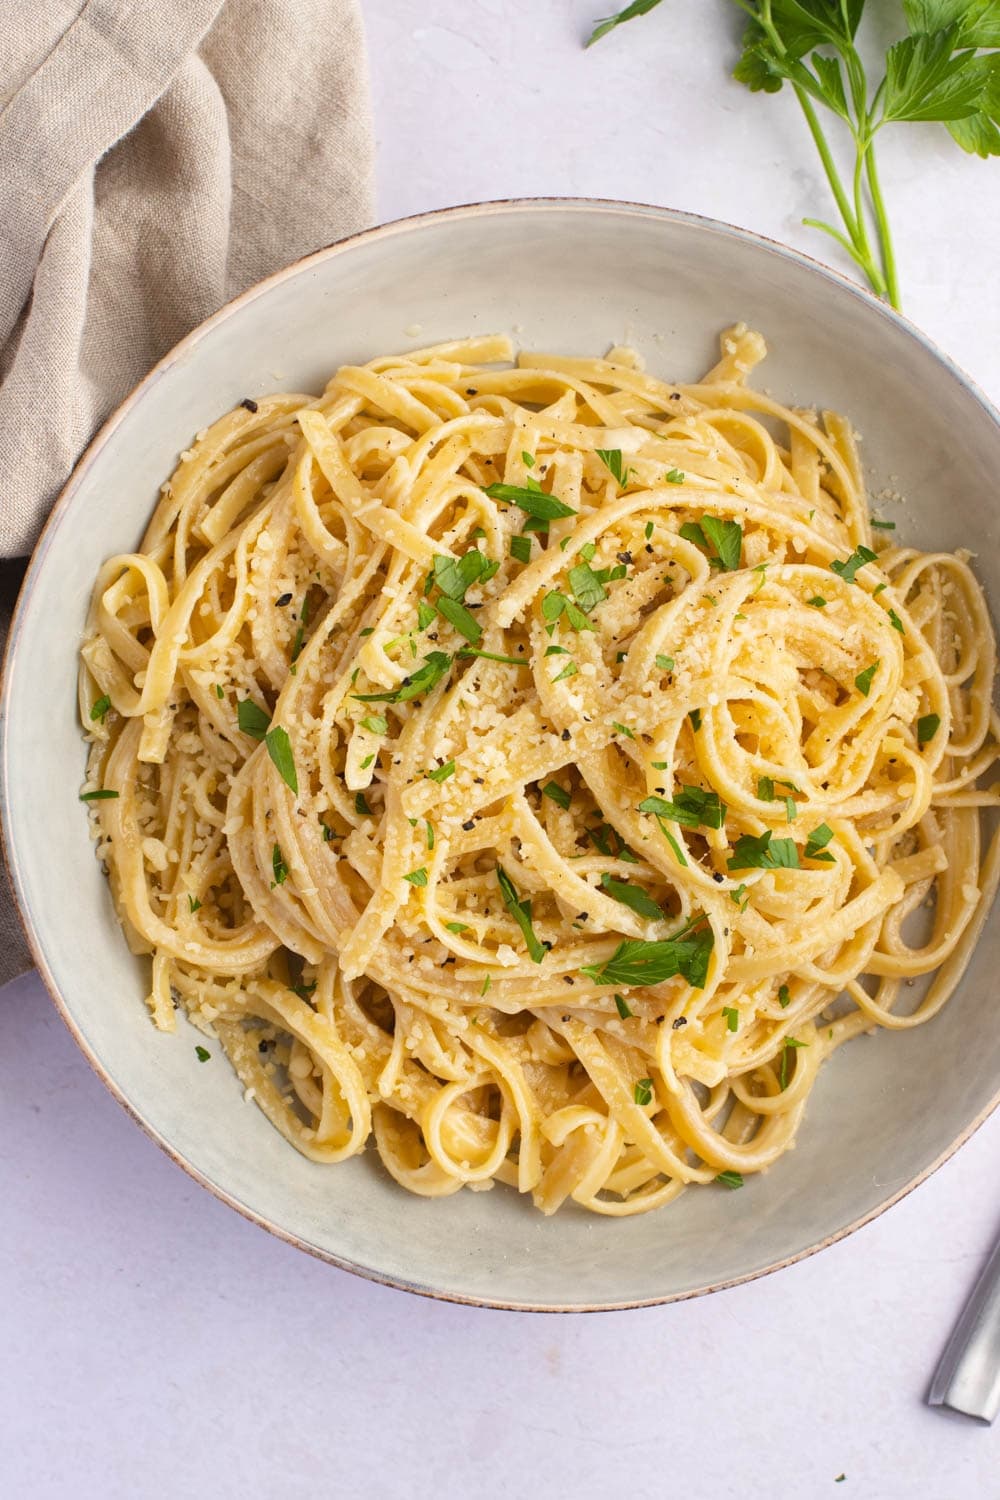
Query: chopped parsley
[[623, 729], [858, 558], [817, 601], [101, 796], [417, 877], [454, 579], [521, 912], [193, 904], [790, 1045], [739, 897], [532, 499], [691, 806], [784, 996], [460, 618], [764, 853], [726, 537], [101, 707], [426, 614], [361, 805], [643, 1092], [375, 723], [611, 458], [863, 681], [436, 666], [555, 605], [622, 1005], [665, 663], [252, 719], [731, 1180], [202, 1053], [884, 525], [520, 548], [456, 927], [639, 963], [817, 842], [927, 727], [507, 661], [557, 794], [674, 476], [695, 717], [218, 690], [279, 748], [569, 670], [634, 897], [732, 1017], [278, 866], [896, 622], [588, 590], [441, 773]]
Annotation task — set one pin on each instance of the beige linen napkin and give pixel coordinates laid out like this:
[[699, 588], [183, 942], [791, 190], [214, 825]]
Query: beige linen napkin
[[156, 158]]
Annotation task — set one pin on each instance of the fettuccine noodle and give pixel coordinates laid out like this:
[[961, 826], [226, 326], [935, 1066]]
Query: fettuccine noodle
[[540, 768]]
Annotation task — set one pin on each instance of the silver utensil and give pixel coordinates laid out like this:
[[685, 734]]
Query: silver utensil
[[967, 1378]]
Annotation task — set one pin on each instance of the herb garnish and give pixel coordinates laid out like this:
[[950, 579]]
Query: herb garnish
[[790, 1045], [202, 1053], [555, 605], [532, 499], [99, 710], [611, 458], [441, 773], [375, 723], [643, 1091], [817, 601], [665, 663], [927, 728], [863, 681], [691, 806], [557, 794], [435, 666], [252, 719], [623, 1007], [731, 1180], [101, 796], [639, 963], [726, 537], [935, 73], [847, 569], [731, 1017], [784, 996], [193, 904], [278, 866], [817, 842], [764, 853], [634, 897], [280, 750], [520, 548], [417, 877], [674, 476], [521, 912]]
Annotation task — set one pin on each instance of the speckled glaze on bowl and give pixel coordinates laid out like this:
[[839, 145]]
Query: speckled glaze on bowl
[[574, 277]]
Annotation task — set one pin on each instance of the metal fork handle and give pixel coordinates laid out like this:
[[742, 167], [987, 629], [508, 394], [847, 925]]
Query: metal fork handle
[[967, 1378]]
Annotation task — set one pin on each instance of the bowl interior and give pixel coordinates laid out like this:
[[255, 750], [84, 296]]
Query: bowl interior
[[573, 278]]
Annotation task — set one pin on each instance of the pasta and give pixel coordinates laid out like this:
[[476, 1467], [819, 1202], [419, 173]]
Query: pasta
[[538, 767]]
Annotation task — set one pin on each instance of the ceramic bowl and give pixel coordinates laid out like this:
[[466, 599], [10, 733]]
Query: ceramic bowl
[[572, 277]]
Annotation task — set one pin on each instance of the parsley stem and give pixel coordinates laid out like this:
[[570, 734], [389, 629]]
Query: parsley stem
[[829, 166], [885, 234]]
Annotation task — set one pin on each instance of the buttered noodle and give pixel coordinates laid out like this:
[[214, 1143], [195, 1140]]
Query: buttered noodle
[[584, 913]]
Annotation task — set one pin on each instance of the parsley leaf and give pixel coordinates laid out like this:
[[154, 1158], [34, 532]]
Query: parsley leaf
[[417, 877], [441, 773], [643, 1092], [863, 681], [691, 806], [100, 709], [637, 8], [279, 748], [521, 912], [611, 458], [731, 1180], [848, 568], [252, 719], [764, 853], [817, 842], [534, 501], [639, 963], [557, 794], [435, 666], [634, 897], [927, 728], [588, 591]]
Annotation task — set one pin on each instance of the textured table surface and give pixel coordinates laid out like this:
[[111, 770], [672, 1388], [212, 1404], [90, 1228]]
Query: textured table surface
[[156, 1345]]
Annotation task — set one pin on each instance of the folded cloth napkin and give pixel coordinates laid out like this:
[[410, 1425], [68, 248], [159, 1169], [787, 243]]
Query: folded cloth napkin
[[156, 158]]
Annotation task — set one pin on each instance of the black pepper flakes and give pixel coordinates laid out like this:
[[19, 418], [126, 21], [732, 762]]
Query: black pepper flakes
[[717, 877], [565, 734], [470, 825], [250, 405], [678, 1022], [282, 600]]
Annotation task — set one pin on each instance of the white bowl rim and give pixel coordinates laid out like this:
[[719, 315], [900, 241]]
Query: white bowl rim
[[36, 563]]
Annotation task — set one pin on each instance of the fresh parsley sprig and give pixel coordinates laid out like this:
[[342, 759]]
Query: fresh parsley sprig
[[946, 69]]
